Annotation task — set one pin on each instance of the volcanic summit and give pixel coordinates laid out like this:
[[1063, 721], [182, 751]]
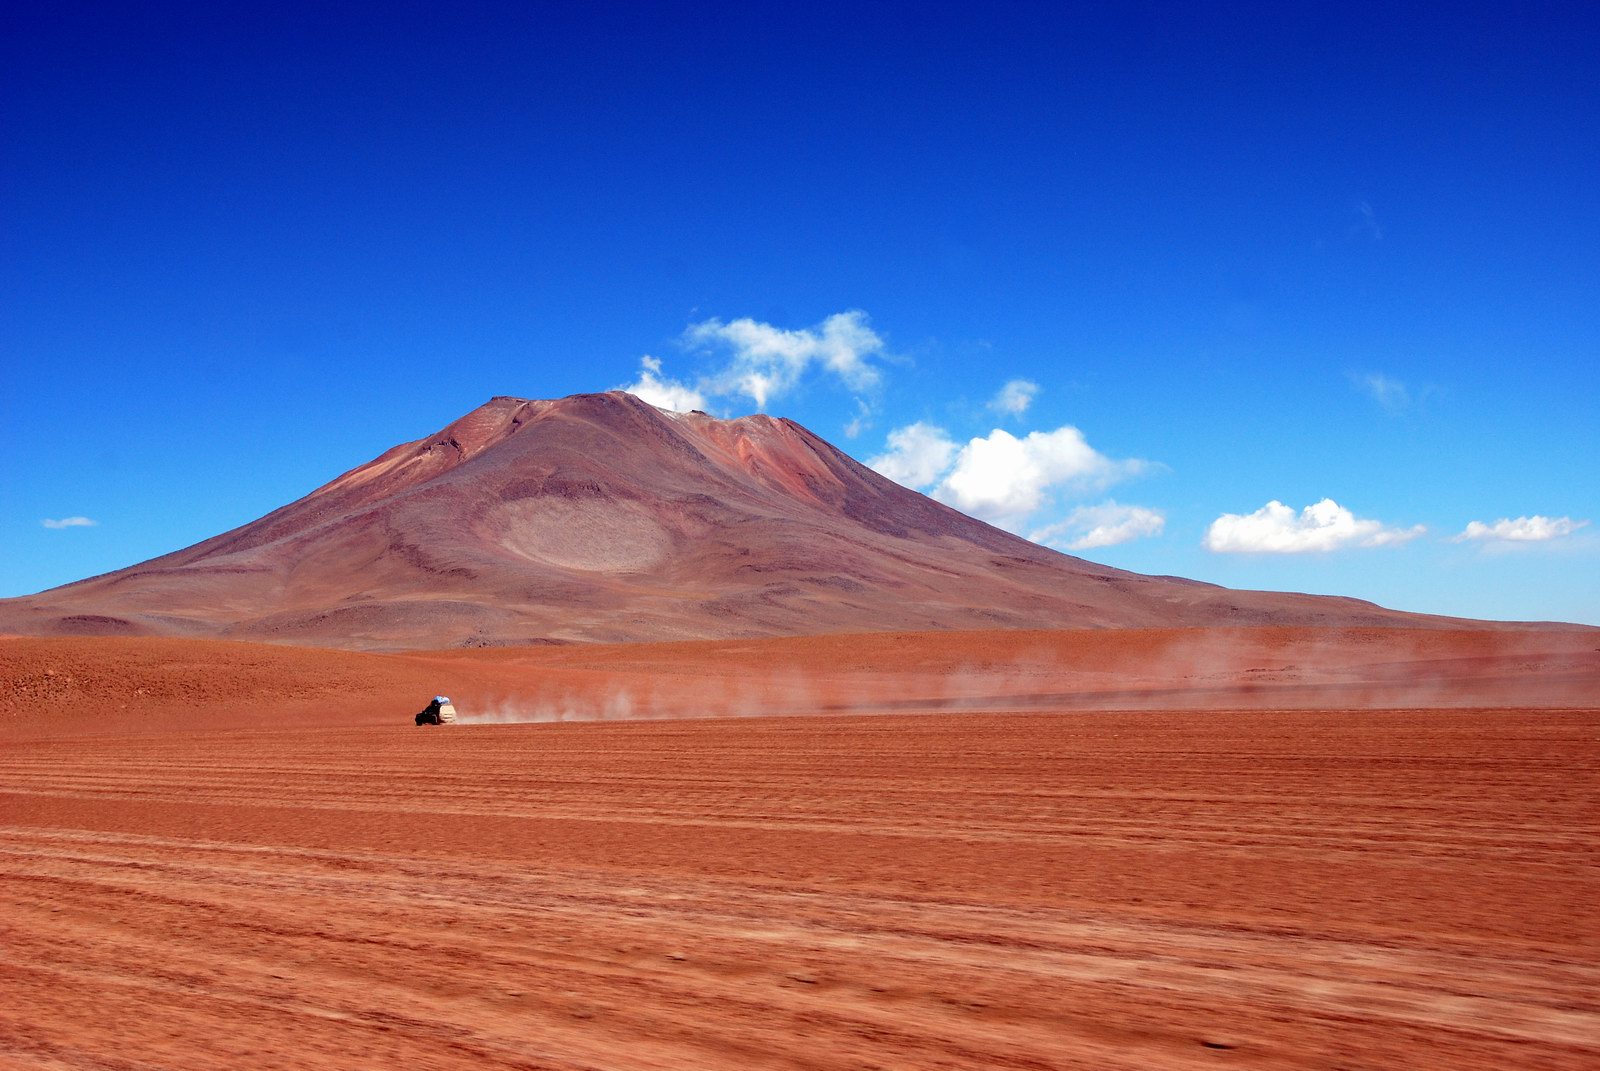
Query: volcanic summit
[[601, 517]]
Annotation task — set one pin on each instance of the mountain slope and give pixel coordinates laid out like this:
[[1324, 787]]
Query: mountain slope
[[600, 517]]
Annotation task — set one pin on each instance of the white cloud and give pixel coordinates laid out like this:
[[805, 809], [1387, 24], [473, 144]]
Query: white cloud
[[1387, 391], [860, 422], [69, 522], [1015, 397], [1003, 479], [1006, 480], [918, 455], [1103, 525], [999, 477], [1535, 529], [661, 392], [1277, 529], [766, 361]]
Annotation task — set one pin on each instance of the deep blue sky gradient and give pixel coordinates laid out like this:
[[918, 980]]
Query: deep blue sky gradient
[[246, 248]]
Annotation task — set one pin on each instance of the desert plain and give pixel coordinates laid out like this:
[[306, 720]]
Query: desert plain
[[1255, 848]]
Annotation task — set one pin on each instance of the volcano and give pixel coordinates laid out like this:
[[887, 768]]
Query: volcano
[[599, 517]]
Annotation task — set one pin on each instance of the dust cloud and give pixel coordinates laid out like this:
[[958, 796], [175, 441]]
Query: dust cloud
[[1158, 670], [778, 693]]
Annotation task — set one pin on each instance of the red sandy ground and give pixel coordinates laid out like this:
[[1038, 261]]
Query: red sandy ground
[[1051, 888]]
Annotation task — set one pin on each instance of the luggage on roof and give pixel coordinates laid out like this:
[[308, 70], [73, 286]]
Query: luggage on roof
[[438, 712]]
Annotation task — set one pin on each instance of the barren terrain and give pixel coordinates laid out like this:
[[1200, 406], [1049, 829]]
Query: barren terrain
[[231, 855], [1264, 889], [50, 686]]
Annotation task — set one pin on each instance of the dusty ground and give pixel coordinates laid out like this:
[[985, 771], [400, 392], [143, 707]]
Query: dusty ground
[[1135, 890], [50, 687], [239, 855]]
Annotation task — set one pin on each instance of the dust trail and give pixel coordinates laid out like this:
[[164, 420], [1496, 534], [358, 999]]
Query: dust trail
[[618, 705], [1199, 669], [784, 690]]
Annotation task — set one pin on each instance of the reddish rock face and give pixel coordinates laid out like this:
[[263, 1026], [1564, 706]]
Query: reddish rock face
[[600, 517]]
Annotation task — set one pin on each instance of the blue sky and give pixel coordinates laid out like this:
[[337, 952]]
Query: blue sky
[[1231, 256]]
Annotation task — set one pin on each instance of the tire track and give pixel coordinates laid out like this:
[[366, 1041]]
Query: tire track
[[1087, 891]]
